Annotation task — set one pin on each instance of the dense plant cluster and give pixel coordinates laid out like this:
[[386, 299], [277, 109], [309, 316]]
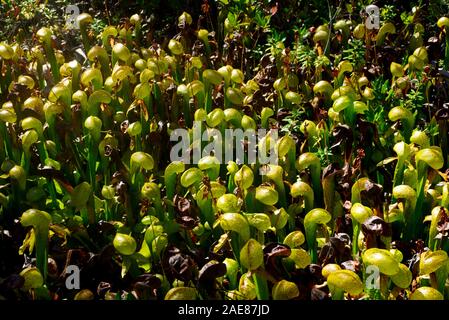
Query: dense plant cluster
[[360, 189]]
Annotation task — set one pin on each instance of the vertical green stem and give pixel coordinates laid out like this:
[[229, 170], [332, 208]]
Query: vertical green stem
[[159, 102], [260, 282], [337, 294], [6, 141], [85, 39], [443, 128], [316, 184], [25, 162], [53, 63], [414, 226], [208, 95], [41, 235], [91, 161], [355, 237], [231, 184], [446, 50], [236, 247], [282, 196]]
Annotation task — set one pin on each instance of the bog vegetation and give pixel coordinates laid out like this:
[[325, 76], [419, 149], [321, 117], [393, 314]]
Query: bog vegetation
[[361, 187]]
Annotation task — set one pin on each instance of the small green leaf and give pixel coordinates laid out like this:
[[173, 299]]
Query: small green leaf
[[301, 258], [279, 218], [235, 222], [251, 255], [153, 232], [294, 239], [403, 278], [260, 221], [32, 277], [124, 244], [247, 287], [285, 290], [149, 220], [181, 293], [80, 195]]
